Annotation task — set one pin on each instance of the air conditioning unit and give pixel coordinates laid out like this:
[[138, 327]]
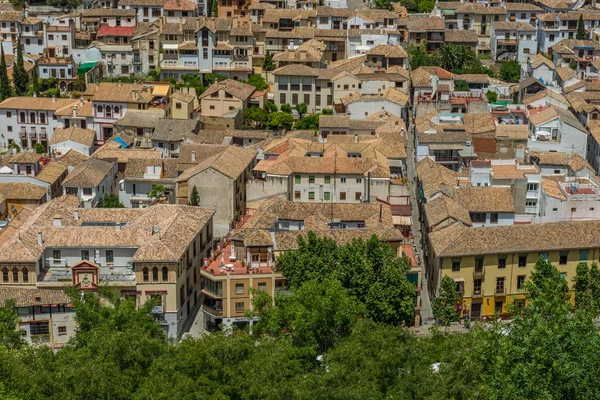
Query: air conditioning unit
[[469, 143]]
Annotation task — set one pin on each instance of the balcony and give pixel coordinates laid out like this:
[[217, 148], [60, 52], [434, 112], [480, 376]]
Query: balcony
[[56, 262], [217, 295], [477, 293], [215, 312], [478, 271], [240, 57], [294, 86], [168, 56], [137, 60], [500, 291]]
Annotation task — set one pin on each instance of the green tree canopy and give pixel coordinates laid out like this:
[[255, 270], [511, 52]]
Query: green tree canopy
[[5, 91], [258, 82], [510, 71], [280, 120], [270, 107], [255, 117], [444, 305], [581, 33], [110, 201], [210, 78], [194, 197], [64, 5], [286, 108], [309, 122], [268, 64], [20, 79], [301, 108]]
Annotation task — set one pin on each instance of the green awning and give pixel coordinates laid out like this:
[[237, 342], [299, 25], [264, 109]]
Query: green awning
[[86, 67]]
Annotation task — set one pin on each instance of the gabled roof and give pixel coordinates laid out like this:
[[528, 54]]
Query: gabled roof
[[296, 70], [232, 163], [90, 173], [75, 134], [433, 176], [172, 129], [388, 50], [442, 208], [239, 90], [539, 59]]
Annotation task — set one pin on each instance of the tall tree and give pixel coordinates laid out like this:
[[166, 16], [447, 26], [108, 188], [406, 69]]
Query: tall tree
[[215, 8], [36, 87], [20, 79], [5, 91], [581, 33], [194, 197], [448, 57], [444, 305], [301, 108], [10, 337], [268, 64], [110, 201]]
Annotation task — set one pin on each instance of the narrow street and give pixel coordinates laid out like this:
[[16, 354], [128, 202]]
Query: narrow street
[[411, 170]]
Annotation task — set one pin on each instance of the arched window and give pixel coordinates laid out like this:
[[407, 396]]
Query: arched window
[[15, 275], [5, 275], [99, 109], [25, 272], [165, 274], [108, 111], [145, 273], [155, 274], [116, 110]]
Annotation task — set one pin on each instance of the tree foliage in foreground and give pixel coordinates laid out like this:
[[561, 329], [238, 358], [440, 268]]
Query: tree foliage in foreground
[[330, 350]]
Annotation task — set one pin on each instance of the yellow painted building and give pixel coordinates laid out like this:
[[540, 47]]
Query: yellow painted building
[[490, 264]]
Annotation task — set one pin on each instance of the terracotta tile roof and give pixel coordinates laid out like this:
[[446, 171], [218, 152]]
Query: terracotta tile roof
[[121, 93], [433, 176], [374, 15], [262, 6], [550, 186], [295, 70], [539, 59], [29, 297], [239, 90], [574, 161], [178, 226], [73, 158], [179, 5], [52, 171], [388, 51], [241, 30], [520, 238], [485, 198], [316, 216], [391, 94], [273, 16], [184, 97], [477, 123], [420, 77], [460, 36], [443, 208], [75, 134], [289, 240], [136, 167], [10, 16], [21, 191], [577, 85], [112, 151], [36, 103], [513, 26], [470, 8], [89, 173], [473, 78], [513, 132], [299, 32], [153, 3], [309, 51], [565, 73], [24, 157], [333, 165], [171, 129], [107, 12], [427, 24], [323, 11], [232, 163], [543, 116], [522, 7]]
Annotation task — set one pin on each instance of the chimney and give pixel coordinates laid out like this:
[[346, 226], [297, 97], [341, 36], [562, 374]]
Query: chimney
[[75, 111], [380, 212], [81, 101], [135, 94], [118, 227], [193, 156], [181, 23], [40, 239], [54, 99], [197, 23], [26, 12], [57, 222], [34, 94], [356, 138], [76, 215]]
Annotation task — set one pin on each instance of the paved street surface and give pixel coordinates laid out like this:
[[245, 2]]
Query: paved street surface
[[426, 313]]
